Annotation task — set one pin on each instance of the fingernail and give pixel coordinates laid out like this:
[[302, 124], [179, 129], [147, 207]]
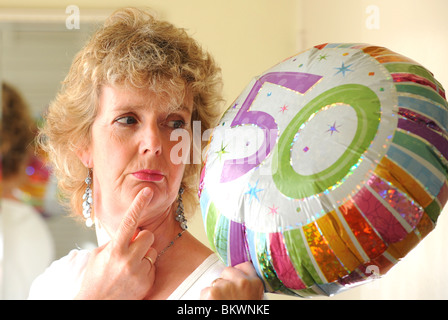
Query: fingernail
[[146, 192]]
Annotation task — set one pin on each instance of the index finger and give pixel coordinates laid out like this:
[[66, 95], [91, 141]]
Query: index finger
[[129, 223]]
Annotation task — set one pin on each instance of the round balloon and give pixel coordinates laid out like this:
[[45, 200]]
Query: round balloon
[[327, 169]]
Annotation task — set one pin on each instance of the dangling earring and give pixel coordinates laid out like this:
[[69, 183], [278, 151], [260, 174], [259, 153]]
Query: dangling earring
[[88, 200], [180, 211]]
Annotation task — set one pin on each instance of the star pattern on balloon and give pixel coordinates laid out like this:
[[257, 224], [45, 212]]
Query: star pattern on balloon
[[273, 210], [343, 69], [221, 151], [252, 192], [333, 128], [322, 57], [283, 109]]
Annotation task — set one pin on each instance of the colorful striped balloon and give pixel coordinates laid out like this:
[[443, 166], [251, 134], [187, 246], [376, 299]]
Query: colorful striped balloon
[[328, 168]]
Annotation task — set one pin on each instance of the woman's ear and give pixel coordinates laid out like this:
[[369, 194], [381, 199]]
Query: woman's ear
[[85, 155]]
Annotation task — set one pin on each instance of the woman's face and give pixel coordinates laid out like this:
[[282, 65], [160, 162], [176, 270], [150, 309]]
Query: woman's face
[[131, 149]]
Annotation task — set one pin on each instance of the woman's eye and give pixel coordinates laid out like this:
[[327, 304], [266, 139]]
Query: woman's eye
[[126, 120], [176, 124]]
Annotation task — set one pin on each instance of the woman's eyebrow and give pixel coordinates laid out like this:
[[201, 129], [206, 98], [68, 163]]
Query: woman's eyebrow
[[126, 107], [180, 108]]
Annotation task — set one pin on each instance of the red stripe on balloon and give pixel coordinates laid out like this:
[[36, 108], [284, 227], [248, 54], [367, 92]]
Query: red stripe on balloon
[[369, 240], [410, 77], [321, 46]]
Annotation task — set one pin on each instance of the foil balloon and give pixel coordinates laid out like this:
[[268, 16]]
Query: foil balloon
[[327, 169]]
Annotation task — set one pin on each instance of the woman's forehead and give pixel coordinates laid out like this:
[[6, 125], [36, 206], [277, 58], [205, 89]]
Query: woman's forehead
[[124, 97]]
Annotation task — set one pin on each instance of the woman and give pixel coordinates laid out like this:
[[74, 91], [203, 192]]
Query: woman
[[135, 83]]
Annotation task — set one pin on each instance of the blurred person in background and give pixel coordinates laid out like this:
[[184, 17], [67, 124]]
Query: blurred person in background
[[27, 247]]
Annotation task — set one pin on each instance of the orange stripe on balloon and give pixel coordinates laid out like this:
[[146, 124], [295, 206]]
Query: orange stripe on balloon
[[399, 249], [367, 237], [376, 51], [339, 241], [393, 58], [324, 256], [425, 226]]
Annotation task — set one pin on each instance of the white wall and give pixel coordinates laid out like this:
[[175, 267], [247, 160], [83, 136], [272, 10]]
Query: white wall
[[414, 28]]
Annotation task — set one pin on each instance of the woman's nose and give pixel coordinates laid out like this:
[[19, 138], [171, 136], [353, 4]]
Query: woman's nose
[[151, 140]]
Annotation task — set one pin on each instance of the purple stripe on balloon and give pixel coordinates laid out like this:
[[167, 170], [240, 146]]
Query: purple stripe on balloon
[[300, 82], [424, 132], [420, 120], [237, 243]]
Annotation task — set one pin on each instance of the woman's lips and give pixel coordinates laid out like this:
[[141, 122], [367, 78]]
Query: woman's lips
[[149, 175]]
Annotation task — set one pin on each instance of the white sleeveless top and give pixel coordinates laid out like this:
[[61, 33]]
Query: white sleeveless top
[[62, 279]]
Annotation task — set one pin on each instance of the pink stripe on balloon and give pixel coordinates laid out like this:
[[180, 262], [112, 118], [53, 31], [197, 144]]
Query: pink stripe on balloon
[[282, 264], [443, 194], [397, 200], [381, 219]]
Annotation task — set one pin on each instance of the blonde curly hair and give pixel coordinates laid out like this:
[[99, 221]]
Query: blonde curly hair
[[131, 48]]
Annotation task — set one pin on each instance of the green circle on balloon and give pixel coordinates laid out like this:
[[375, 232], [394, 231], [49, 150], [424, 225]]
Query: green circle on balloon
[[368, 111]]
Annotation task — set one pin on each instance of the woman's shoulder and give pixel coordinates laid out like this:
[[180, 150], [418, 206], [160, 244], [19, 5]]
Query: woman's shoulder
[[62, 279], [209, 270]]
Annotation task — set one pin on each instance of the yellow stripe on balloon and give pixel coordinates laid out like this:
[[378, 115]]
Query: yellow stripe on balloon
[[393, 173]]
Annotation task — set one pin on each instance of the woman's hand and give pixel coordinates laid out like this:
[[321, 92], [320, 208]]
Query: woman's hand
[[236, 283], [119, 269]]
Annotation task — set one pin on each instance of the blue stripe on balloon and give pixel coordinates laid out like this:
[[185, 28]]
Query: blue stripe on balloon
[[251, 241], [431, 182], [204, 202]]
